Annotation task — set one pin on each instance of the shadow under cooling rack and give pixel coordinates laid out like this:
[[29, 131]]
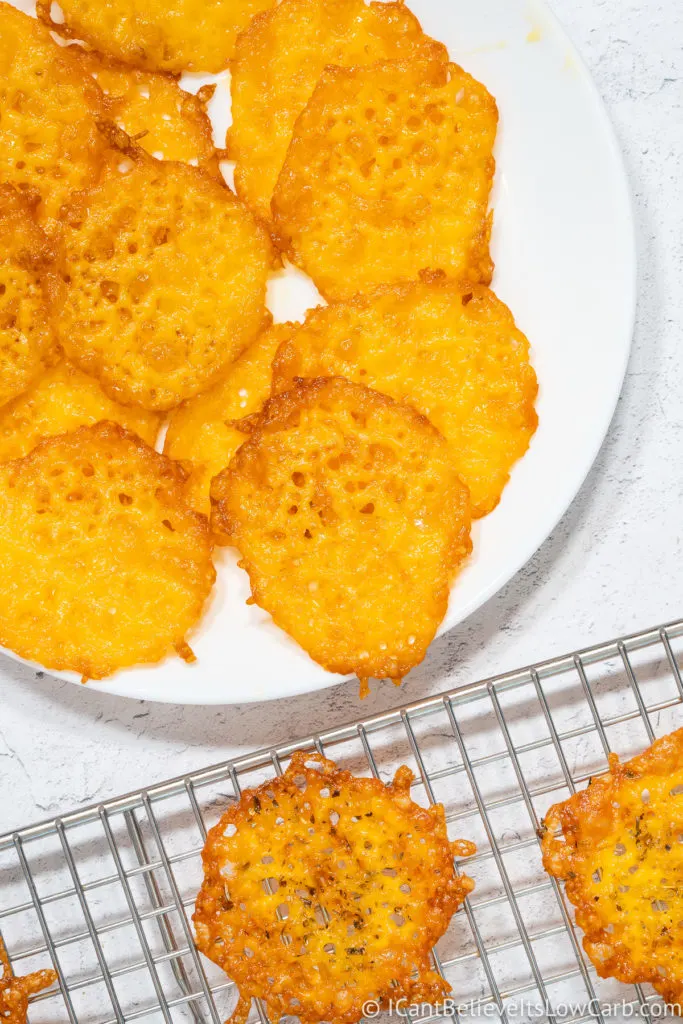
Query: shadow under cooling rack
[[105, 894]]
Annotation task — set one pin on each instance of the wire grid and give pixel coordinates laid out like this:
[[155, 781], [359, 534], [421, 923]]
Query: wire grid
[[106, 893]]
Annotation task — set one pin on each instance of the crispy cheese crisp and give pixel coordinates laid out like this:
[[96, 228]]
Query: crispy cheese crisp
[[166, 121], [618, 846], [49, 143], [16, 992], [389, 173], [351, 522], [27, 343], [59, 401], [205, 432], [281, 56], [450, 350], [165, 281], [157, 35], [323, 891], [103, 565]]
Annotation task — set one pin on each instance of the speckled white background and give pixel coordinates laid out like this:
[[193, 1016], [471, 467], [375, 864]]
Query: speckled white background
[[612, 565]]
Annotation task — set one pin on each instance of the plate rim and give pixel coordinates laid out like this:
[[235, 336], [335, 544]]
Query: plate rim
[[513, 566], [619, 377]]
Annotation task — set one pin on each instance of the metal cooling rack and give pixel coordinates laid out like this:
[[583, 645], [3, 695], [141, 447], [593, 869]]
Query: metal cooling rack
[[106, 893]]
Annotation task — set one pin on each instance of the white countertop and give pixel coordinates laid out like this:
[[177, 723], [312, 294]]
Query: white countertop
[[612, 566]]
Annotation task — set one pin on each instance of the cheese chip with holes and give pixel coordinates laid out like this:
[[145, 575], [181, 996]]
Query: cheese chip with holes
[[324, 891], [281, 56], [351, 522], [61, 400], [205, 432], [389, 173], [619, 846], [49, 143], [452, 351], [166, 272], [27, 343], [157, 35], [167, 122], [15, 992], [103, 565]]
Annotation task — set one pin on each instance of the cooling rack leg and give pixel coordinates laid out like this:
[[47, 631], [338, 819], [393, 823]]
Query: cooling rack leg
[[167, 936]]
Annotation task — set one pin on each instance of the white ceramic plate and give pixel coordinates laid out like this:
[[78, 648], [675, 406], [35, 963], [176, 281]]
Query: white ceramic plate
[[565, 263]]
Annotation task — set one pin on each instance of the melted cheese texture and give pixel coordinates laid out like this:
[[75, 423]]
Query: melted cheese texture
[[27, 342], [206, 431], [619, 846], [61, 400], [281, 56], [352, 523], [158, 35], [323, 890], [15, 992], [452, 351], [165, 120], [389, 173], [49, 108], [165, 281], [103, 564]]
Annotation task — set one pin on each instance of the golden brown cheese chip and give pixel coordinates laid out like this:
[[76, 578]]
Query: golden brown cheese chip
[[166, 273], [389, 173], [281, 56], [452, 351], [16, 992], [49, 143], [619, 846], [59, 401], [204, 432], [167, 122], [324, 891], [351, 522], [102, 563], [27, 343], [158, 35]]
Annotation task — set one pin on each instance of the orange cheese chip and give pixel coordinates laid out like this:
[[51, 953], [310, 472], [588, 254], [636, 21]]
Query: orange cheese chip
[[619, 847], [204, 432], [165, 276], [352, 523], [157, 35], [323, 891], [281, 56], [49, 143], [59, 401], [27, 342], [103, 565], [453, 351], [389, 173], [16, 992], [166, 121]]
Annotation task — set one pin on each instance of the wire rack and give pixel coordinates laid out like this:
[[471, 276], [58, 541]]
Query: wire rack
[[106, 893]]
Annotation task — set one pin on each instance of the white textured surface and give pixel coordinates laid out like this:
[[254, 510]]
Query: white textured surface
[[611, 566]]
